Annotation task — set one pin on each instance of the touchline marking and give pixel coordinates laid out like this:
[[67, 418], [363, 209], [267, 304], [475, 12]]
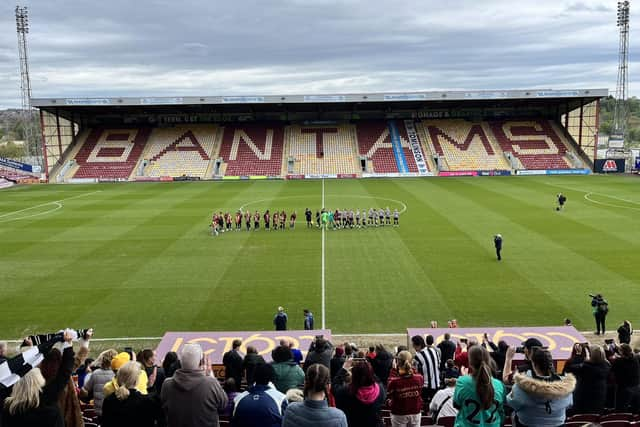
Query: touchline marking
[[322, 275], [586, 196], [49, 203]]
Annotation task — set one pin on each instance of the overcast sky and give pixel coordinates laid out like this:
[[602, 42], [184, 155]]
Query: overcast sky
[[84, 48]]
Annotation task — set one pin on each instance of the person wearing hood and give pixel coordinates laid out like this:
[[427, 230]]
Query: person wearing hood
[[337, 361], [192, 397], [320, 351], [540, 397], [358, 394], [287, 372], [590, 394]]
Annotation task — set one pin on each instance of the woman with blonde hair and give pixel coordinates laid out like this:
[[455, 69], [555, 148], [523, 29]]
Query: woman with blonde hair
[[127, 407], [404, 392], [33, 402]]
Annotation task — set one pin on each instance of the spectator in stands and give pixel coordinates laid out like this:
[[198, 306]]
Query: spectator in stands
[[527, 347], [155, 373], [251, 360], [427, 362], [358, 394], [382, 363], [461, 358], [34, 403], [450, 370], [127, 407], [3, 351], [404, 392], [231, 390], [170, 364], [192, 397], [116, 363], [498, 353], [624, 333], [315, 411], [68, 402], [579, 353], [308, 320], [287, 373], [320, 351], [478, 396], [232, 361], [626, 372], [442, 403], [280, 320], [261, 405], [102, 373], [336, 361], [84, 371], [591, 375], [540, 397], [447, 349]]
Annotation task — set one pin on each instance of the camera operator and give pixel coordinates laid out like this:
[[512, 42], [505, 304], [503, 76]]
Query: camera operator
[[600, 310], [526, 349]]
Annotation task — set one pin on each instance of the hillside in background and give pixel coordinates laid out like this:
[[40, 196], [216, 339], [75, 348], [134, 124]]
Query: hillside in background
[[607, 106]]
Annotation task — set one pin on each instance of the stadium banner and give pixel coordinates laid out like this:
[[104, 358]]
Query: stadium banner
[[215, 344], [230, 178], [609, 165], [531, 172], [558, 339], [637, 163], [394, 175], [458, 173], [14, 164], [494, 173], [347, 175], [161, 101], [325, 98], [253, 177], [82, 180], [405, 97], [568, 171], [416, 148], [242, 99], [295, 176], [87, 101], [318, 176]]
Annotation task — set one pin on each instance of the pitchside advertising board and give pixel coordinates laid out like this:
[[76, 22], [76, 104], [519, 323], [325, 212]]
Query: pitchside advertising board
[[215, 344], [14, 164], [638, 163], [609, 165], [559, 340]]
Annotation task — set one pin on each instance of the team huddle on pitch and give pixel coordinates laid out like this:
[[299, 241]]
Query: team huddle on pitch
[[326, 219]]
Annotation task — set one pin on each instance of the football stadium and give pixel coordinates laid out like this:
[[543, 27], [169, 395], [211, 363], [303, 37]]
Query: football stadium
[[443, 253]]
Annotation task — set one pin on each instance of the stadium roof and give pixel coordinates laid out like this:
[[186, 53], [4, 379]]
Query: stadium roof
[[325, 99]]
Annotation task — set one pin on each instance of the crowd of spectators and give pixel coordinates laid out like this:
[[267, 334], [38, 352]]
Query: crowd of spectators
[[479, 383]]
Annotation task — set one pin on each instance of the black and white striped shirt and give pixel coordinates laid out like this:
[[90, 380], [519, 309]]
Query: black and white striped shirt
[[428, 365]]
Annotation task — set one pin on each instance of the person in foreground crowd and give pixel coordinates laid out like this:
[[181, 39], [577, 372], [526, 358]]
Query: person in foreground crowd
[[320, 351], [34, 403], [447, 350], [192, 397], [127, 407], [336, 361], [590, 394], [251, 360], [3, 351], [540, 397], [232, 361], [287, 372], [478, 396], [261, 405], [427, 361], [382, 363], [358, 394], [404, 392], [68, 402], [442, 403], [314, 411], [624, 332], [147, 358], [116, 363], [102, 374], [626, 372], [170, 364]]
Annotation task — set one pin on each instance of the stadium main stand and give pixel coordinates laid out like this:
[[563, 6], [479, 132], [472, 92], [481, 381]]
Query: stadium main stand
[[375, 143], [253, 149], [111, 153], [322, 149], [181, 150]]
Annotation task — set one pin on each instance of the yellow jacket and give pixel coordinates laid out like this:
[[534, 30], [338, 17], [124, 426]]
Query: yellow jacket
[[143, 380]]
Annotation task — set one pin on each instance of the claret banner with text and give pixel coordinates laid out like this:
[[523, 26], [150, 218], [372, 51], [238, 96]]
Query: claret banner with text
[[215, 344], [559, 339]]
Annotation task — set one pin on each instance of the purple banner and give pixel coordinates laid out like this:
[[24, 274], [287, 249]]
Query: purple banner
[[558, 339], [215, 344]]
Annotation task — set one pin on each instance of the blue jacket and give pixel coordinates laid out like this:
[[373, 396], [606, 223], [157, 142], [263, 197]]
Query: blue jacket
[[313, 413], [259, 406], [541, 403]]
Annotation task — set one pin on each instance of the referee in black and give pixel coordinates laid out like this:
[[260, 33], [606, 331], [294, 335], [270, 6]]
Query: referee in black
[[497, 241]]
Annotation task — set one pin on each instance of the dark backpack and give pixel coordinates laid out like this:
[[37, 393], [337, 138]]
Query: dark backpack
[[603, 307]]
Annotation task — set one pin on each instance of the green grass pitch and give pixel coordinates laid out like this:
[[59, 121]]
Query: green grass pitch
[[138, 259]]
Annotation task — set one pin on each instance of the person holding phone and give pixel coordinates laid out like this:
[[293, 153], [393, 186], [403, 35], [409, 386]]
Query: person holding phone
[[358, 394]]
